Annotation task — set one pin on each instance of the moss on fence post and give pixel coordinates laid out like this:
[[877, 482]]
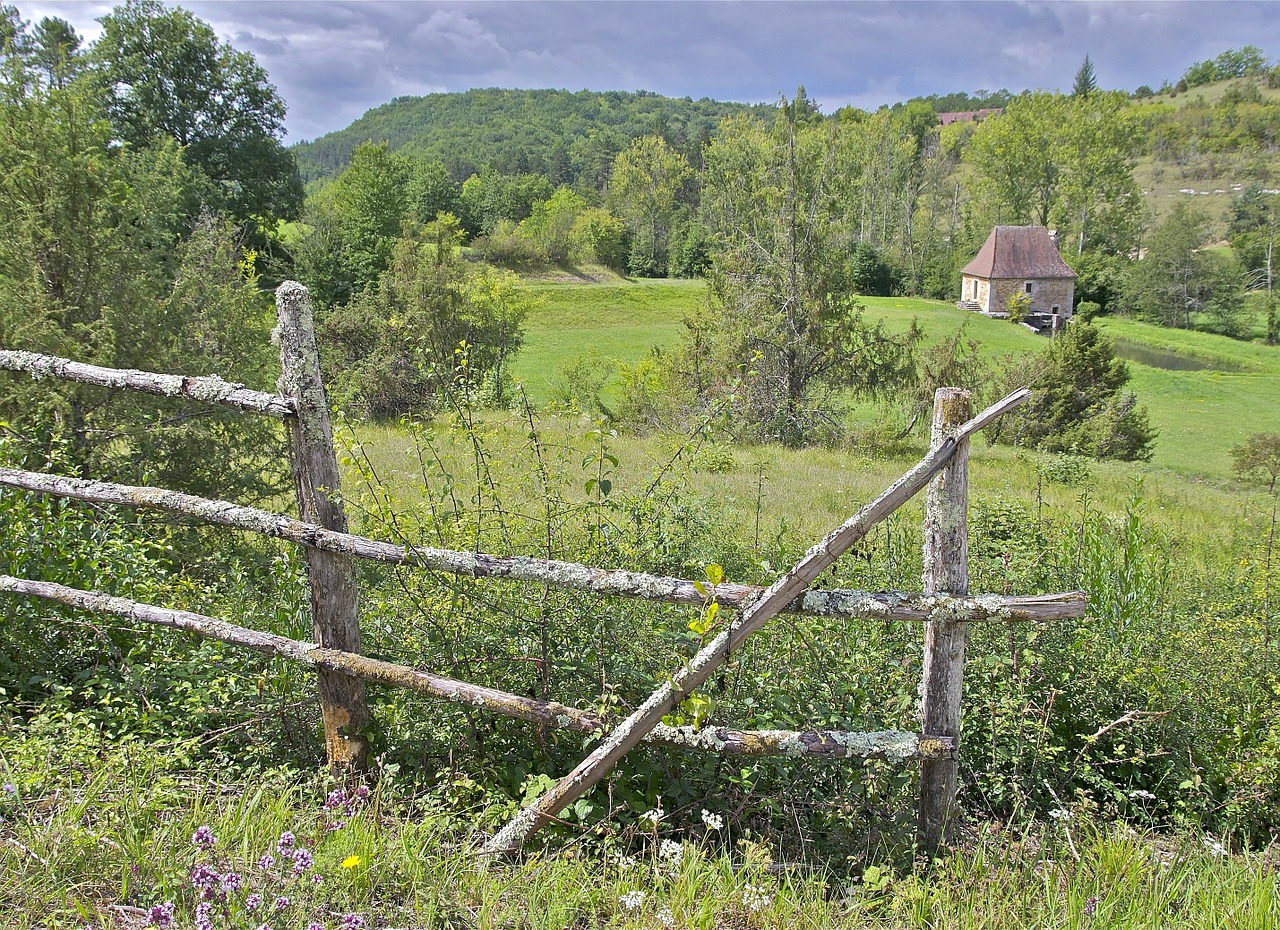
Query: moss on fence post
[[330, 575]]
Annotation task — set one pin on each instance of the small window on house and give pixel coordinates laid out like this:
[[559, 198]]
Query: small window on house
[[1055, 308], [1030, 287]]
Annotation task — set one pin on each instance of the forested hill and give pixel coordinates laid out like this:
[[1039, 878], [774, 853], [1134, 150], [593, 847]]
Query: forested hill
[[560, 134]]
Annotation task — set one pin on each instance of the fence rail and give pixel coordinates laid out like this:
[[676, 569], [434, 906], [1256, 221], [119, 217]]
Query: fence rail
[[945, 605]]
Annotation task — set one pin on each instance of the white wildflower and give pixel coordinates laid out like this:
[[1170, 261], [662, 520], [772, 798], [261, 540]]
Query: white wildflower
[[1214, 845], [1060, 814], [754, 898], [671, 852], [1140, 795], [652, 817], [712, 821], [666, 918], [632, 900]]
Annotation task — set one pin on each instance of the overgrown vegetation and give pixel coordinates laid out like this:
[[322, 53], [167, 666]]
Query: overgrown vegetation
[[1122, 768]]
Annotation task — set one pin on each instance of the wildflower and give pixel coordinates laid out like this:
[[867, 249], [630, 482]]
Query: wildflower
[[1090, 906], [755, 898], [1214, 845], [280, 903], [351, 862], [9, 788], [352, 922], [285, 843], [315, 925], [1140, 795], [335, 799], [204, 920], [712, 821], [317, 878], [672, 852], [654, 815], [266, 862], [253, 902], [362, 792], [203, 837], [335, 825], [666, 918], [302, 860], [632, 900], [230, 883], [161, 915], [1060, 814], [203, 876]]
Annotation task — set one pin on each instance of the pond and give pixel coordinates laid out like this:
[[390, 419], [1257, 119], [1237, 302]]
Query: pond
[[1169, 361]]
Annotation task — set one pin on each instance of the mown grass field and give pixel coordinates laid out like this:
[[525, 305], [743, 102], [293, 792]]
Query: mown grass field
[[1199, 414]]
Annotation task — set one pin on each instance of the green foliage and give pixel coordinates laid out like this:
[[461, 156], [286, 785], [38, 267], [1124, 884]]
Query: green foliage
[[1087, 310], [599, 236], [166, 75], [1077, 404], [784, 323], [645, 188], [551, 222], [1018, 305], [1258, 457], [105, 261], [401, 347], [1231, 63], [1179, 278], [1086, 80]]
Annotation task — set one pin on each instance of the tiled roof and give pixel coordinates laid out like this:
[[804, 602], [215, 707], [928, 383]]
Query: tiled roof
[[1018, 252], [965, 116]]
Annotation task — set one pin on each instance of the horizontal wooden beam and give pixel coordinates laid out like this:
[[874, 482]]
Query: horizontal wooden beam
[[835, 603], [827, 744], [209, 388]]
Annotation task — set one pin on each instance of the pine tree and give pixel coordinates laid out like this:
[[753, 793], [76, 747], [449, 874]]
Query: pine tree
[[1086, 80]]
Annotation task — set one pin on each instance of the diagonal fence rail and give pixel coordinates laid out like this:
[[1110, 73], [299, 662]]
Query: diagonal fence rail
[[944, 606]]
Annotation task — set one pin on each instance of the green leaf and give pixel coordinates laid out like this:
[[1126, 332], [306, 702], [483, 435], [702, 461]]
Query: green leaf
[[715, 573]]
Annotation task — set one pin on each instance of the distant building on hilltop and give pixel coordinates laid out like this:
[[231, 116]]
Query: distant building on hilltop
[[1020, 260], [966, 116]]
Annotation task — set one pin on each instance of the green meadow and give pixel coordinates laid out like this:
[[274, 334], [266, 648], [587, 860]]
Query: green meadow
[[1200, 414]]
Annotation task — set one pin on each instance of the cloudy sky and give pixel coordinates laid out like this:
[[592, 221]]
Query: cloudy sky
[[332, 61]]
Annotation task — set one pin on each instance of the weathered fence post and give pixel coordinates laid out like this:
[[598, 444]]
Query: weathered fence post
[[330, 576], [946, 571]]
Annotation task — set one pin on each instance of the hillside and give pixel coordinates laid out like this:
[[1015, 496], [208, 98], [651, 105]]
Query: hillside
[[559, 133]]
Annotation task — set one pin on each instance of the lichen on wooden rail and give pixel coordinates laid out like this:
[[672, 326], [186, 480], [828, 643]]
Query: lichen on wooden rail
[[207, 388], [826, 744], [890, 605]]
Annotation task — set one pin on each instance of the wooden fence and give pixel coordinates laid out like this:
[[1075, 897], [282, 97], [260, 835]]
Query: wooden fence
[[944, 605]]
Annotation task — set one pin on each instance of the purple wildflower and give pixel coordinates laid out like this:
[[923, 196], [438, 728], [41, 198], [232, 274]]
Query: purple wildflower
[[253, 902], [302, 861], [203, 837], [9, 788], [203, 919], [266, 862], [1090, 906], [352, 922], [286, 841], [231, 883], [335, 825], [317, 878], [161, 915], [315, 925], [362, 792], [335, 799], [204, 877], [280, 903]]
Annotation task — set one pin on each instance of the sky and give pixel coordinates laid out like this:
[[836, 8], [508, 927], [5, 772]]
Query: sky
[[332, 60]]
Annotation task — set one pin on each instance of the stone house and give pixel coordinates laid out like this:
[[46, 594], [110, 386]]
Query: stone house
[[1020, 260]]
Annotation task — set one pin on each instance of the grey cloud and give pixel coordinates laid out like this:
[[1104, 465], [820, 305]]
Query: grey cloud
[[333, 61]]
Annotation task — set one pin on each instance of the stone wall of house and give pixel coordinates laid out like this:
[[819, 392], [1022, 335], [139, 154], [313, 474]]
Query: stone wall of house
[[1044, 295]]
